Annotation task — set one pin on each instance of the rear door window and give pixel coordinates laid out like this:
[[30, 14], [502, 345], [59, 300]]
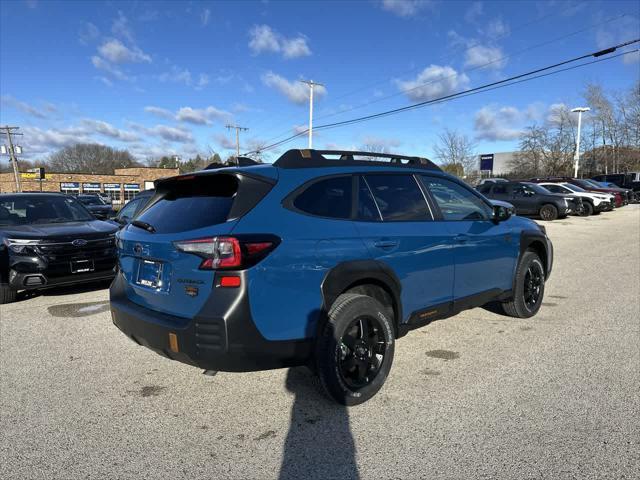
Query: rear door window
[[192, 203], [398, 198], [456, 201], [330, 198]]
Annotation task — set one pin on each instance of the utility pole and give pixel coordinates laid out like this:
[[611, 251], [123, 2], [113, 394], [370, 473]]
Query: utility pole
[[237, 128], [576, 157], [311, 84], [9, 131]]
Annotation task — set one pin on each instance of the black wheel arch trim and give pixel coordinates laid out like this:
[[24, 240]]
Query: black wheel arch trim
[[350, 274], [537, 240]]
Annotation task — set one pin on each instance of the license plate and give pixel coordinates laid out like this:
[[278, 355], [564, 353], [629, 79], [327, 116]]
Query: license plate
[[149, 273], [81, 266]]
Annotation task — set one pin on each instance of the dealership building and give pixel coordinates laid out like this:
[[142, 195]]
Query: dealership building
[[122, 186], [495, 164]]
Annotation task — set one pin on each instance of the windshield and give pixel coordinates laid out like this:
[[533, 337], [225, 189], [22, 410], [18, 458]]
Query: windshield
[[36, 209], [575, 188], [91, 200], [592, 183], [537, 188]]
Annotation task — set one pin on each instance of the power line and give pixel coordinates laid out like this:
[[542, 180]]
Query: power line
[[440, 79], [467, 46], [486, 87]]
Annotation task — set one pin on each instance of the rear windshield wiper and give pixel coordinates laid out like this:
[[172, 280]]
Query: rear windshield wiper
[[144, 225]]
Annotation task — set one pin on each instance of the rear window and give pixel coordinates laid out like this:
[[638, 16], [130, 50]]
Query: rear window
[[189, 203], [327, 198]]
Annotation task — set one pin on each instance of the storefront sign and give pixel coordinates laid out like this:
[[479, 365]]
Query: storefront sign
[[111, 186], [486, 162], [70, 185], [91, 186], [132, 186]]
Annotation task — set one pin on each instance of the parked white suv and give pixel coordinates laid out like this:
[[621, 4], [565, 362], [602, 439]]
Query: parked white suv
[[591, 201]]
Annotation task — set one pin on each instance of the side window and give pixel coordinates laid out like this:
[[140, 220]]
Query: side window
[[367, 208], [499, 189], [554, 188], [327, 198], [398, 198], [456, 201], [485, 188]]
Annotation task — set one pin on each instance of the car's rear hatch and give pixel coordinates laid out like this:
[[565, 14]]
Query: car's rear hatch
[[160, 275]]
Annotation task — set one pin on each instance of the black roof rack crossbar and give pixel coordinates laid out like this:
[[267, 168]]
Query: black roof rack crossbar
[[316, 158]]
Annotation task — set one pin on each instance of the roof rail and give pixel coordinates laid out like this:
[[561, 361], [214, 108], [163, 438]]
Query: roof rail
[[318, 158], [240, 162]]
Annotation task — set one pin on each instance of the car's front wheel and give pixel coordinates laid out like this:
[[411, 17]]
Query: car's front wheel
[[587, 209], [548, 212], [7, 294], [355, 349], [529, 287]]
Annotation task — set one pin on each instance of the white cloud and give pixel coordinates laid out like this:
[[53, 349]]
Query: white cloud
[[500, 123], [473, 12], [88, 33], [497, 28], [41, 141], [166, 132], [295, 91], [262, 38], [485, 56], [108, 130], [203, 81], [380, 144], [205, 16], [24, 107], [115, 51], [120, 27], [198, 116], [102, 64], [201, 116], [433, 82], [182, 75], [224, 141], [159, 111], [405, 8]]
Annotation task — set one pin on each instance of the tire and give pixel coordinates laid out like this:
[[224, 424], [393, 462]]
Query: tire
[[523, 305], [548, 212], [7, 294], [587, 209], [353, 367]]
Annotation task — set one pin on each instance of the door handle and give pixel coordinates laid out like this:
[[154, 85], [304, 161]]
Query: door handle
[[461, 238], [386, 243]]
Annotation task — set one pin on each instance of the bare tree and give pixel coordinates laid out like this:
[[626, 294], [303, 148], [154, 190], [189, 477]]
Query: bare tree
[[456, 153], [90, 158]]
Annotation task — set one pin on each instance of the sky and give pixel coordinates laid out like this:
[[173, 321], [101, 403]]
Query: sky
[[165, 78]]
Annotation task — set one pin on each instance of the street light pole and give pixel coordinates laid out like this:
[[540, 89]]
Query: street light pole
[[311, 84], [576, 157]]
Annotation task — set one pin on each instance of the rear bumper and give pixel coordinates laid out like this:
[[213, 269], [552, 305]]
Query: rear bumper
[[222, 336]]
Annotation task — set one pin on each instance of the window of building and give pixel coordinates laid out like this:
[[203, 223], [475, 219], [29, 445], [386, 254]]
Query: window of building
[[71, 188], [130, 191]]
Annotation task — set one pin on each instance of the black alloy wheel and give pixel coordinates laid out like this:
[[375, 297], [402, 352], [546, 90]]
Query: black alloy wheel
[[362, 350], [548, 212], [533, 281]]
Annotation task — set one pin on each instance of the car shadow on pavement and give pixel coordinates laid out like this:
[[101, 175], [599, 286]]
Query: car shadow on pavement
[[319, 443]]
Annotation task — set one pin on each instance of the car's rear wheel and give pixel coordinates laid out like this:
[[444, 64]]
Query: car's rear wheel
[[355, 349], [7, 294], [587, 209], [529, 287], [548, 212]]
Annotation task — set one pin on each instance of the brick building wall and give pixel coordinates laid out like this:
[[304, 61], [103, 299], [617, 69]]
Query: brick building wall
[[121, 185]]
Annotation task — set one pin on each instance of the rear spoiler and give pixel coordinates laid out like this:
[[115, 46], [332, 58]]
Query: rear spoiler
[[240, 162]]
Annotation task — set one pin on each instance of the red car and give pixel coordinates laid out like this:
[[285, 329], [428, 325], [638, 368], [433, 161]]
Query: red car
[[621, 197]]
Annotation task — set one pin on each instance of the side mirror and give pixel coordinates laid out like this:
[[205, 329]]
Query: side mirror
[[501, 213], [122, 220]]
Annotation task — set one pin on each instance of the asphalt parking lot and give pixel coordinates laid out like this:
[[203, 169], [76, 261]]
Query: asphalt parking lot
[[474, 396]]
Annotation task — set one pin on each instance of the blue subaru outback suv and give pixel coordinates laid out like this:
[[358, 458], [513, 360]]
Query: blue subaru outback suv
[[323, 258]]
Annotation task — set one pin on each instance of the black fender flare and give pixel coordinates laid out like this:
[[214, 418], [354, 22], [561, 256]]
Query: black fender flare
[[355, 272], [538, 241]]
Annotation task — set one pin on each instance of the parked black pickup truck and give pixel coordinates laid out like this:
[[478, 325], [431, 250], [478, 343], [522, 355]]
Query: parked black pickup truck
[[51, 239], [630, 181], [533, 200]]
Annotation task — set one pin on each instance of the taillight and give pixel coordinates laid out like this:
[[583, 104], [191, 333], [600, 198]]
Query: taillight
[[228, 252]]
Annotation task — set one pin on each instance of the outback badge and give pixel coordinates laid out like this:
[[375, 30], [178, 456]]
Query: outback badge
[[191, 291]]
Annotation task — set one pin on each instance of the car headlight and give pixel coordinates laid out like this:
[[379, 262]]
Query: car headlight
[[18, 245]]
